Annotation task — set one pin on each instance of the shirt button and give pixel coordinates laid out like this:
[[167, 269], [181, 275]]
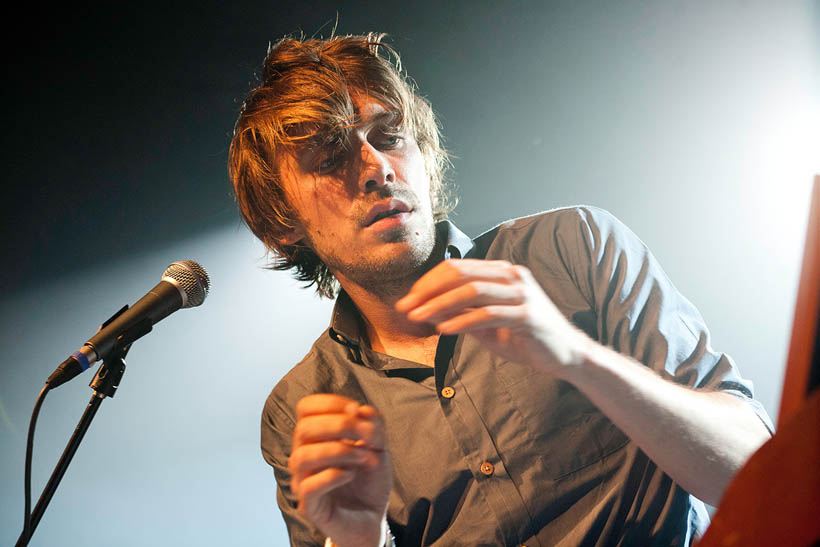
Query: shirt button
[[448, 392], [487, 468]]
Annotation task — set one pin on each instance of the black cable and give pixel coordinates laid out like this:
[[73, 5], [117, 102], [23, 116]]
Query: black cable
[[29, 449]]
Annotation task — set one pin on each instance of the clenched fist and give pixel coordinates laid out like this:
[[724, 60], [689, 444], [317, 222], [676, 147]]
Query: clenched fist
[[340, 468]]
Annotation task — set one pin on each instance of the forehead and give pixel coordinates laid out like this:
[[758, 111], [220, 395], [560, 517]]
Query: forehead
[[369, 109]]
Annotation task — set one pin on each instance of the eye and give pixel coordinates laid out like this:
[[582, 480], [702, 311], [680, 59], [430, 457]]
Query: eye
[[330, 160], [329, 164], [389, 138]]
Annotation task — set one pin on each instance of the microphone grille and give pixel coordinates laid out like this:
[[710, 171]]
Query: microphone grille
[[192, 278]]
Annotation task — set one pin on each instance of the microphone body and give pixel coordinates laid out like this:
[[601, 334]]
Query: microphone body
[[184, 284], [156, 305]]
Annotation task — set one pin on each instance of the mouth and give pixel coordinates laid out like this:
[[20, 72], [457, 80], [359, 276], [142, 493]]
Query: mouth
[[384, 210]]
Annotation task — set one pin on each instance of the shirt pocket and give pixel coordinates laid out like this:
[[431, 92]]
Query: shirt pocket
[[566, 432]]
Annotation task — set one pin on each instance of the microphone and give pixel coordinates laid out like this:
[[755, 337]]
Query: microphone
[[185, 284]]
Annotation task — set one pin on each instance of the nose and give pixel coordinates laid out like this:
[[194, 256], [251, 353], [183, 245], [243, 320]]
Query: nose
[[376, 168]]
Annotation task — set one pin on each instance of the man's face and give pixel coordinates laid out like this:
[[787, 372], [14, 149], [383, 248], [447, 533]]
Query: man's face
[[365, 209]]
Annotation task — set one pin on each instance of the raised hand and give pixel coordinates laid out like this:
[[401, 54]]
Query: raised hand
[[340, 468], [502, 305]]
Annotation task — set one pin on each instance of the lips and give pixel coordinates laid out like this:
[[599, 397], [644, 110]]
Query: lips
[[385, 209]]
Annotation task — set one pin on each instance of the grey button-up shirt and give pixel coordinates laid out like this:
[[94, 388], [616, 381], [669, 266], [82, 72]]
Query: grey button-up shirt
[[490, 452]]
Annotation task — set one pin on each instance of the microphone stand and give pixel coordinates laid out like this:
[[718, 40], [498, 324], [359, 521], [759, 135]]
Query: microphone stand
[[104, 384]]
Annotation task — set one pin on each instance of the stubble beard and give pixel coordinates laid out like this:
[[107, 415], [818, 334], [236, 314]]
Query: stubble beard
[[390, 277]]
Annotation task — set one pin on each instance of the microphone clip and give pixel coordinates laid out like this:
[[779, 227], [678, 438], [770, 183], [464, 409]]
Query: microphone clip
[[107, 379]]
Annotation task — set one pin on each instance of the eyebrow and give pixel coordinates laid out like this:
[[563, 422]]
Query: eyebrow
[[385, 116]]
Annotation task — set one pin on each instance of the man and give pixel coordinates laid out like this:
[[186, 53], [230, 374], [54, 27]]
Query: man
[[544, 384]]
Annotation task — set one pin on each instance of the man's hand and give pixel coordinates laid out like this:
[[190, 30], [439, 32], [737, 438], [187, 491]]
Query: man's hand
[[340, 468], [698, 437], [502, 305]]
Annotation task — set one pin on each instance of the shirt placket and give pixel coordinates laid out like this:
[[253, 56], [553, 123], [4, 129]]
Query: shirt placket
[[478, 447]]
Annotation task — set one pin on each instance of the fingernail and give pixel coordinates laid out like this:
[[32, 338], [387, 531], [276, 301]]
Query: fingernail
[[417, 314], [404, 303]]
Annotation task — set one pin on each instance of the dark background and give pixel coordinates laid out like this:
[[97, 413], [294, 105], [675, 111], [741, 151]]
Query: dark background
[[120, 115]]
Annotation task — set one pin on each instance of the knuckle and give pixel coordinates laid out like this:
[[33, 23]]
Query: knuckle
[[452, 268], [306, 495], [298, 433], [365, 429], [305, 403], [349, 424], [372, 413], [520, 272], [473, 289], [295, 461]]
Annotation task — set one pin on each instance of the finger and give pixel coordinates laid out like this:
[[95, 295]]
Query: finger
[[484, 318], [474, 294], [454, 272], [312, 488], [368, 412], [310, 458], [323, 403], [360, 430]]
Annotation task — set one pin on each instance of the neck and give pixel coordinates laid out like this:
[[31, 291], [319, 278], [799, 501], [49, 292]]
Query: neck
[[389, 331]]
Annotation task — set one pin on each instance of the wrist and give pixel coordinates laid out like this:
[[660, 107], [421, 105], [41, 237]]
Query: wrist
[[386, 538], [585, 357]]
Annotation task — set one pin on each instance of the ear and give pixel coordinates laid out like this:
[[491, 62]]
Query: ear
[[292, 236]]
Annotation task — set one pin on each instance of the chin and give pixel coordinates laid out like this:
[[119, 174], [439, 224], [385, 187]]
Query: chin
[[405, 257]]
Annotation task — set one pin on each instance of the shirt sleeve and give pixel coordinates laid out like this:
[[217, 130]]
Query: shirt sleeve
[[640, 313], [277, 432]]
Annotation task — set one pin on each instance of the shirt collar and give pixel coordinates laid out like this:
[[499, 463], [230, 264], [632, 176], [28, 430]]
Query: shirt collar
[[459, 244], [346, 323]]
